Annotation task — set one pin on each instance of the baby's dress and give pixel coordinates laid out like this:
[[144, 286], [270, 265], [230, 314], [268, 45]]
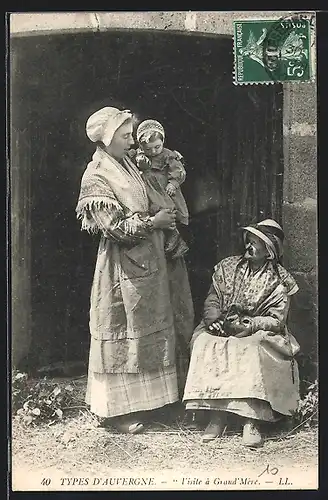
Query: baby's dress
[[165, 168]]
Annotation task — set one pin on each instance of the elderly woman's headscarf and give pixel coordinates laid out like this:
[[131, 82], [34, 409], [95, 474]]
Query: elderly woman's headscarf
[[147, 128], [271, 233], [102, 125]]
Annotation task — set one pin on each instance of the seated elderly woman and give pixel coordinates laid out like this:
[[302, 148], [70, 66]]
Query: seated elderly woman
[[242, 359]]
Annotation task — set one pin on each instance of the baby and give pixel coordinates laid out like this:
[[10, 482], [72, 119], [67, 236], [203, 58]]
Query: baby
[[163, 174]]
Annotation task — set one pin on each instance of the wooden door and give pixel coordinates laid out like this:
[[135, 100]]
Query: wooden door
[[240, 182]]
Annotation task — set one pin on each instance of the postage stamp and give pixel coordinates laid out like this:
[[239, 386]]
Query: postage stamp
[[268, 51]]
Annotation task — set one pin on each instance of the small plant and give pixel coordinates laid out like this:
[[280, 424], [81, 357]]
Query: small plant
[[19, 389], [307, 411], [34, 402]]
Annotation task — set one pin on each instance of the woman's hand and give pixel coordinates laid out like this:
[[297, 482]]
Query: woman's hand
[[245, 333], [216, 327], [164, 219]]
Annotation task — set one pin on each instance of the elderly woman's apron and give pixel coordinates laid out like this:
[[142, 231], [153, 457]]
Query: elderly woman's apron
[[256, 376]]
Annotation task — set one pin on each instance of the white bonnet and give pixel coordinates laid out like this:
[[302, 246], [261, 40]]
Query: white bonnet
[[102, 125], [147, 128]]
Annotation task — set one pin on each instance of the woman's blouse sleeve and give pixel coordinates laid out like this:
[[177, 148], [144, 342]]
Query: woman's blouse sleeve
[[125, 230], [212, 306]]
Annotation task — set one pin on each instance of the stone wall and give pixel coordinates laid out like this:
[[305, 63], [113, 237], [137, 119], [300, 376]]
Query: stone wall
[[300, 212], [209, 22]]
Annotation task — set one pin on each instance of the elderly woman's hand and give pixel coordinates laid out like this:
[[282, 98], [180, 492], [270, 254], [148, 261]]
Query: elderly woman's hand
[[245, 333], [164, 219], [215, 328]]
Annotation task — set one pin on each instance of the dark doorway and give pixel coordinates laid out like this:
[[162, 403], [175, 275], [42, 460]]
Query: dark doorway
[[230, 136]]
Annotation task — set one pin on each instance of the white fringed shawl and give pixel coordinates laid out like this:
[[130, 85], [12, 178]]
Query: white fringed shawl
[[106, 184]]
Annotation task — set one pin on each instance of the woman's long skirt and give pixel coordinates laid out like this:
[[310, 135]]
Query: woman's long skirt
[[114, 394]]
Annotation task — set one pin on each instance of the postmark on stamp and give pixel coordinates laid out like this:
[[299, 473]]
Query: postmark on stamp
[[269, 51]]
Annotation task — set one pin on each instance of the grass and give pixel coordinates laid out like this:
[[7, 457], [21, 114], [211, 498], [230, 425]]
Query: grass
[[79, 443]]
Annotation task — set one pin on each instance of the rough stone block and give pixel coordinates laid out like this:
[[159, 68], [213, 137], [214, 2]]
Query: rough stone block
[[300, 176], [174, 21], [300, 103], [23, 23], [300, 227]]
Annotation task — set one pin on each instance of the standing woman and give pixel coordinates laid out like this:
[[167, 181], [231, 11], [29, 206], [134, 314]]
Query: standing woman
[[141, 308]]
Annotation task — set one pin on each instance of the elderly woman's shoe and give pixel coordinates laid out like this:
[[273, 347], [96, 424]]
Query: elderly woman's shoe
[[215, 427], [251, 434]]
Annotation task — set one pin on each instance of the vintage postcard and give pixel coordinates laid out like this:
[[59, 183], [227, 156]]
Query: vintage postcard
[[163, 215]]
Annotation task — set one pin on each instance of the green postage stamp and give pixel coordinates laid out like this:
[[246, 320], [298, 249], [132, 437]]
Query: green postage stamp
[[268, 51]]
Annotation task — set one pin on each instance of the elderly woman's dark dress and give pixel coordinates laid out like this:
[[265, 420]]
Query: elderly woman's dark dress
[[254, 376]]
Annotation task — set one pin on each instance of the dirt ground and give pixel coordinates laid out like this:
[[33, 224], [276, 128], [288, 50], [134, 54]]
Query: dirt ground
[[81, 446]]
